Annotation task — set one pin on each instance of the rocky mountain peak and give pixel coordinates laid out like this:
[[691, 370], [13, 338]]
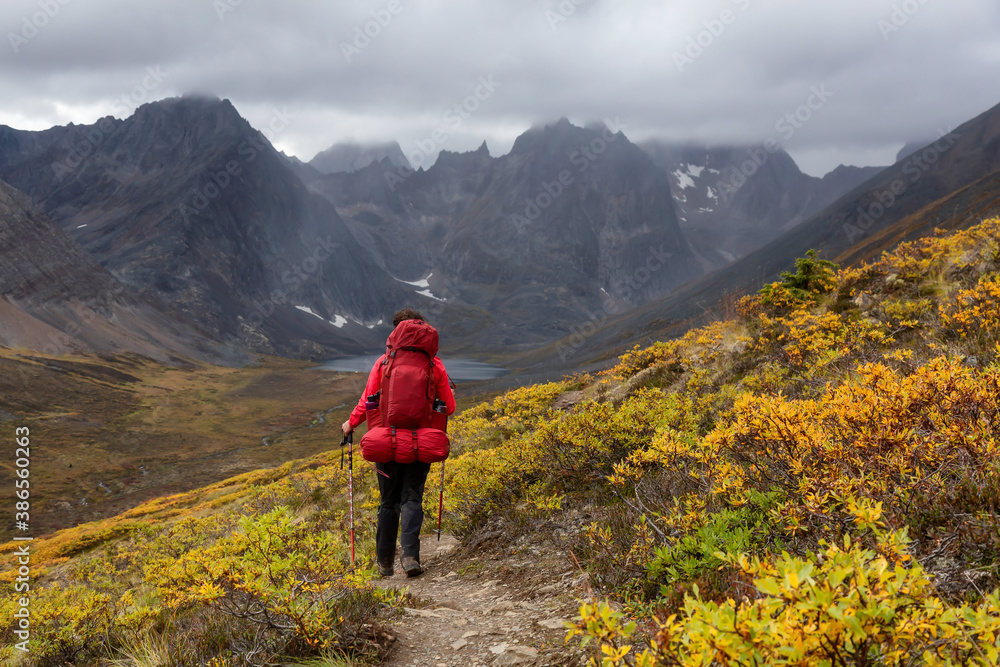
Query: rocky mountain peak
[[552, 135], [194, 209], [732, 199], [351, 156]]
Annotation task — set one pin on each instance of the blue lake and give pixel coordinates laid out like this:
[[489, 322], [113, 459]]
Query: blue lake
[[459, 370]]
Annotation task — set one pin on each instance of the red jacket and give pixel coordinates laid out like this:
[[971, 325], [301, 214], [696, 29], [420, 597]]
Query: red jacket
[[375, 383]]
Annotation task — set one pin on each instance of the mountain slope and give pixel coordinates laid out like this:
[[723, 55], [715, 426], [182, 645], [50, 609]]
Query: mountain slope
[[54, 297], [351, 156], [573, 221], [732, 200], [970, 153], [959, 210], [736, 490], [818, 458], [186, 203]]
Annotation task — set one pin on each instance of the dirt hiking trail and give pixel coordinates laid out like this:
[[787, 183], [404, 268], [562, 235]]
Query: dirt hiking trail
[[483, 611]]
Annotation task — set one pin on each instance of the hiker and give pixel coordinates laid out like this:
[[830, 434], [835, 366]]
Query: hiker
[[402, 484]]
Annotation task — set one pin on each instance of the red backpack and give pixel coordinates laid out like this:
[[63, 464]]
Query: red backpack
[[408, 390], [402, 423]]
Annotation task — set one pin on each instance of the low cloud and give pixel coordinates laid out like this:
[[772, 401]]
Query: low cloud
[[754, 61]]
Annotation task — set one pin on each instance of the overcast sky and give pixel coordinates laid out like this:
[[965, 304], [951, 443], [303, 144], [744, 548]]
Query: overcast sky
[[876, 73]]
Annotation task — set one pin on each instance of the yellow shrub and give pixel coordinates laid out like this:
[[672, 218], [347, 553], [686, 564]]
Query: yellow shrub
[[975, 310], [69, 623], [276, 571], [905, 313], [516, 411], [847, 605], [639, 358]]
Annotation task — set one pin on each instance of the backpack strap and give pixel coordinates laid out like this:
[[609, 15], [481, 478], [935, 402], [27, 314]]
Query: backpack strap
[[383, 407], [431, 389], [387, 363]]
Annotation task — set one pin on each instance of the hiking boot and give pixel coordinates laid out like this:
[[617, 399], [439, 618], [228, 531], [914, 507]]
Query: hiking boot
[[386, 570], [411, 566]]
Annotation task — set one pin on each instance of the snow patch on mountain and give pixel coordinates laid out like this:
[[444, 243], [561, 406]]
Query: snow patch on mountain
[[427, 292], [686, 174], [684, 181], [338, 320], [425, 284], [307, 309]]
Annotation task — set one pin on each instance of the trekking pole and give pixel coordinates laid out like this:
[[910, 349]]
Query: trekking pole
[[350, 487], [440, 501], [349, 441]]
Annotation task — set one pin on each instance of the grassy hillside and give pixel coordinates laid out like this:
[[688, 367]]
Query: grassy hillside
[[251, 567], [113, 432], [959, 210], [812, 482], [186, 562]]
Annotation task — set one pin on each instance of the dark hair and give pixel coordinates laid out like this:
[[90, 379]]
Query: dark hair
[[406, 314]]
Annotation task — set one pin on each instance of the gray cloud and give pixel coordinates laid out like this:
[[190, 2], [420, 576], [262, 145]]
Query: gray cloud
[[714, 72]]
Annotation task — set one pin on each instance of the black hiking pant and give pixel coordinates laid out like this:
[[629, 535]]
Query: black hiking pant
[[402, 489]]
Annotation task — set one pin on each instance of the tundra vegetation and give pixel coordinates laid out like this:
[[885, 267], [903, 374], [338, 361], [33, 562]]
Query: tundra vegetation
[[812, 482]]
